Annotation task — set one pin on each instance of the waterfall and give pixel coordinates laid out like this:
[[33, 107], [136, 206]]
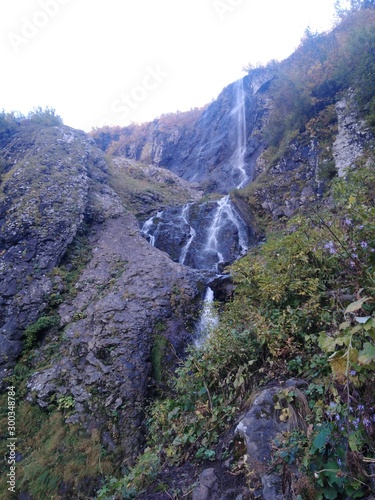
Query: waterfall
[[192, 233], [209, 318], [149, 229], [225, 213], [208, 235], [238, 158], [225, 209]]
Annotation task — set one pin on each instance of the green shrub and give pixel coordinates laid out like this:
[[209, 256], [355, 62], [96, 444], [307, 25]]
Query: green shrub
[[32, 331], [45, 117]]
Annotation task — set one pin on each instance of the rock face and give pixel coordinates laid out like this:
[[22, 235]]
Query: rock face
[[291, 182], [48, 176], [207, 151], [237, 112], [352, 135], [129, 294]]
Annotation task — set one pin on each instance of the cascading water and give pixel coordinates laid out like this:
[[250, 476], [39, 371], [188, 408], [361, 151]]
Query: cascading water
[[224, 214], [209, 318], [212, 234], [225, 210], [239, 116], [192, 233], [148, 229]]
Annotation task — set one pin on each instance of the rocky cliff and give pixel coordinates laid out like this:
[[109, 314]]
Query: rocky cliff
[[54, 198], [205, 152]]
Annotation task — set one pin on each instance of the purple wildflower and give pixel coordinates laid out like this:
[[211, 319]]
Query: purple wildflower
[[331, 247], [364, 244], [348, 221], [366, 422], [353, 373], [361, 407]]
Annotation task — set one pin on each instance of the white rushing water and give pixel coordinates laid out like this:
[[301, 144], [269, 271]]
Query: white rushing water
[[147, 228], [209, 318], [225, 209], [225, 219], [239, 114], [225, 212], [192, 233]]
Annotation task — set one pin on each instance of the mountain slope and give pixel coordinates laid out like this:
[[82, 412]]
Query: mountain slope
[[85, 299], [95, 320]]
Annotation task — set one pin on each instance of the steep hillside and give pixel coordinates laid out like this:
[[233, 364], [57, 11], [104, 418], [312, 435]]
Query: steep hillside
[[296, 343], [89, 309]]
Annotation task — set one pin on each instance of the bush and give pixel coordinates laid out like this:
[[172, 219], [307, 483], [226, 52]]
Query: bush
[[32, 331], [45, 117], [8, 126]]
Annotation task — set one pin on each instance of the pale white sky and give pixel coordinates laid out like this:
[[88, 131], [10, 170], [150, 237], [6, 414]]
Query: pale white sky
[[119, 61]]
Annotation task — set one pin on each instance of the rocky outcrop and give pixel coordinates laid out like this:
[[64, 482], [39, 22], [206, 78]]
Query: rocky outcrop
[[269, 415], [128, 295], [145, 189], [353, 135], [48, 174], [54, 187], [205, 152], [290, 183]]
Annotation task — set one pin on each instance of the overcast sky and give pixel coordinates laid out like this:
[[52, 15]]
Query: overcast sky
[[119, 61]]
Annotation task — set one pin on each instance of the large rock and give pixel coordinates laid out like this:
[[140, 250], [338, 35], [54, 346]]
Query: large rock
[[129, 294], [269, 415]]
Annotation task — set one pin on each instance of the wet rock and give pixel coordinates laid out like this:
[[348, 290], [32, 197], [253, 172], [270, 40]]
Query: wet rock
[[209, 235]]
